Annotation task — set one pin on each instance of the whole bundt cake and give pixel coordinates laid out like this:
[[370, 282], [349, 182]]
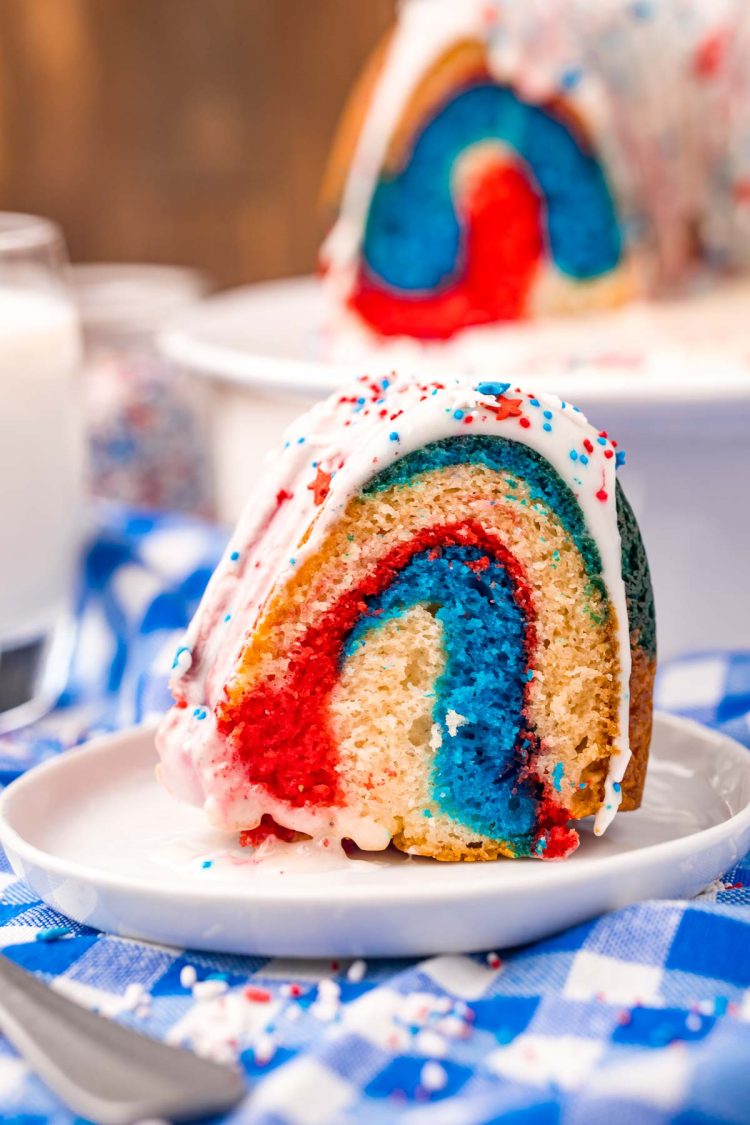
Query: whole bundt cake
[[504, 159]]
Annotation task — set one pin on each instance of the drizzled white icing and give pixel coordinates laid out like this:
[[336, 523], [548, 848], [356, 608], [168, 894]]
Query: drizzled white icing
[[353, 436]]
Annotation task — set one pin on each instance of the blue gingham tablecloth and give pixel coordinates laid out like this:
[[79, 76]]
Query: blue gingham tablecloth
[[642, 1016]]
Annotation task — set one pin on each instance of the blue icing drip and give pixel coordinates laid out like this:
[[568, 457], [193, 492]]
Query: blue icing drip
[[475, 774], [544, 482], [413, 239]]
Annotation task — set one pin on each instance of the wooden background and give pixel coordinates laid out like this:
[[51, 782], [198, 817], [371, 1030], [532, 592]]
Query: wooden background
[[179, 131]]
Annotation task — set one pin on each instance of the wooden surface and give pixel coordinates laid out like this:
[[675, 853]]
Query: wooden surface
[[181, 131]]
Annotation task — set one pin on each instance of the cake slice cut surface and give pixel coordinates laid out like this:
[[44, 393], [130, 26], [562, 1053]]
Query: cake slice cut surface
[[433, 627]]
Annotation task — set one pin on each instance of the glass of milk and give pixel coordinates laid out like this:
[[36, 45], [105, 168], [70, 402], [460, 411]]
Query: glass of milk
[[41, 459]]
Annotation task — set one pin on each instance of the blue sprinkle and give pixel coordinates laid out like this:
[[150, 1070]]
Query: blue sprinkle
[[218, 976], [583, 785], [616, 786], [548, 414], [495, 389], [619, 458], [574, 454], [385, 384], [300, 441], [228, 617], [584, 459], [361, 401], [721, 1004], [529, 675], [602, 440], [314, 464], [178, 654], [292, 562], [534, 401], [234, 556], [458, 415], [200, 712], [207, 863], [557, 776], [426, 812], [53, 933], [571, 78], [547, 427], [393, 435], [541, 845], [287, 444], [577, 409]]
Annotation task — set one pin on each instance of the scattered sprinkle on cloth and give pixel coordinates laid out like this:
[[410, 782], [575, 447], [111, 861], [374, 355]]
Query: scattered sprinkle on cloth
[[641, 1016]]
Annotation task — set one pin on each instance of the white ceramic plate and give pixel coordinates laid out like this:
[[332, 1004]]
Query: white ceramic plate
[[97, 838], [273, 336]]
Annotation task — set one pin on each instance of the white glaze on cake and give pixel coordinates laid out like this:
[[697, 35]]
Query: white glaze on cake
[[347, 437]]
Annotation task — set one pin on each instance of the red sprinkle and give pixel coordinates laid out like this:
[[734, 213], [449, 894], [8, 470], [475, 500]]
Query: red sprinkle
[[601, 495], [608, 453], [257, 995], [283, 495], [588, 446], [524, 422], [321, 486]]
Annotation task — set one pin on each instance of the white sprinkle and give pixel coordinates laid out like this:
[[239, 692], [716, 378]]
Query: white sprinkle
[[326, 1006], [453, 1027], [209, 989], [188, 976], [453, 721], [436, 737], [433, 1076], [134, 995], [428, 1042], [356, 971], [265, 1048], [693, 1022], [329, 990]]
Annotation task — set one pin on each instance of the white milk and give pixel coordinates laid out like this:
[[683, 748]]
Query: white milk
[[40, 461]]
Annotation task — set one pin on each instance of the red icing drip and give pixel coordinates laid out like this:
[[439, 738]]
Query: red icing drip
[[502, 215]]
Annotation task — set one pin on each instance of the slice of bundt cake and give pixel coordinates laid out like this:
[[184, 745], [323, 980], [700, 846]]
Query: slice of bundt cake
[[433, 627]]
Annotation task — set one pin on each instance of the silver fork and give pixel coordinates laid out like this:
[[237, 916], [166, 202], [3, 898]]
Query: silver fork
[[102, 1071]]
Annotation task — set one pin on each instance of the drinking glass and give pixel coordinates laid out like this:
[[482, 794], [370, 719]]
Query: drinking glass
[[41, 461]]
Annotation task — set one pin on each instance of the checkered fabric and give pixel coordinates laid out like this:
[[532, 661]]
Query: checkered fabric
[[642, 1016]]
